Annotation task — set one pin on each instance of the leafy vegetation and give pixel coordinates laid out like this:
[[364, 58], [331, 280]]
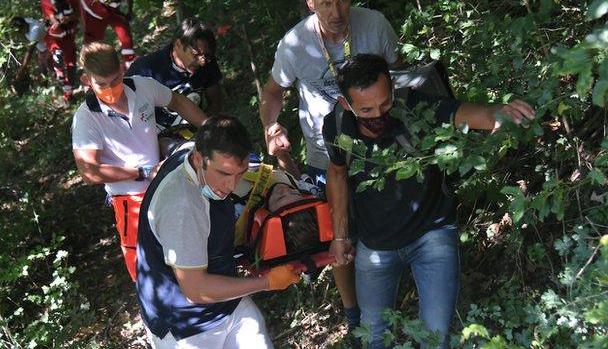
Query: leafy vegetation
[[533, 201]]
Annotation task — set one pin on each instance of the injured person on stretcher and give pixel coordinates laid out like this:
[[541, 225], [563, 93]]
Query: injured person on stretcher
[[281, 220]]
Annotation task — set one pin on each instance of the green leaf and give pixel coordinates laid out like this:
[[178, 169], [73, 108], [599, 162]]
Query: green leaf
[[557, 203], [344, 142], [597, 177], [513, 191], [407, 171], [551, 300], [601, 161], [541, 205], [448, 151], [562, 107], [598, 38], [364, 185], [442, 134], [474, 330], [379, 184], [597, 9], [364, 333], [518, 208], [584, 82], [435, 53], [605, 143], [518, 202], [599, 314], [599, 93], [479, 162], [355, 167]]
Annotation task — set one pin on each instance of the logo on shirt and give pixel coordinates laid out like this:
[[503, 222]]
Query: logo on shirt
[[144, 113], [326, 85]]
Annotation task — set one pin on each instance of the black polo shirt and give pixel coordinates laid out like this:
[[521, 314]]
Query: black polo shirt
[[404, 210], [159, 65]]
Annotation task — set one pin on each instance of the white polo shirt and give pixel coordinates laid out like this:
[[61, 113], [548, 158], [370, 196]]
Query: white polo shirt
[[125, 140]]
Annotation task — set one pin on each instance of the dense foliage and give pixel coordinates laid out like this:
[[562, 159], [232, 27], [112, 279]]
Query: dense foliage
[[533, 201]]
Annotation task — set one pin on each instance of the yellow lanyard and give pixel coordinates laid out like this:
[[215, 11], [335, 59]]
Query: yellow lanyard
[[262, 179], [346, 45]]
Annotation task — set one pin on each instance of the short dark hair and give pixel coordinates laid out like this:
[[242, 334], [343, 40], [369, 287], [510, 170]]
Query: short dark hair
[[361, 72], [223, 134], [301, 231], [192, 30]]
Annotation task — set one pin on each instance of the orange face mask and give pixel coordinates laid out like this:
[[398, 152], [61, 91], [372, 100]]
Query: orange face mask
[[110, 95]]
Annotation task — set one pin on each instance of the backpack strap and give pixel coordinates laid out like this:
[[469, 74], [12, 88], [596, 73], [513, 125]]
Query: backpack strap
[[339, 114], [92, 102], [406, 145]]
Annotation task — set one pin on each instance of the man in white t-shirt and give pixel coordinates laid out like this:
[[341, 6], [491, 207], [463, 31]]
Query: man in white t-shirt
[[114, 135], [309, 55]]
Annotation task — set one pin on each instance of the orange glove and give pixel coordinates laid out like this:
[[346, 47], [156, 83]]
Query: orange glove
[[279, 278]]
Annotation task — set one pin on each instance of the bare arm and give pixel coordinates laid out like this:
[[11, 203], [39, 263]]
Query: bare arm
[[481, 117], [201, 287], [287, 163], [188, 110], [213, 95], [270, 107], [94, 172], [272, 102], [337, 197]]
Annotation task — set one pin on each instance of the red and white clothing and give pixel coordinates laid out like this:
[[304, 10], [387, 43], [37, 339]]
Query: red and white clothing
[[60, 39], [126, 141], [97, 15]]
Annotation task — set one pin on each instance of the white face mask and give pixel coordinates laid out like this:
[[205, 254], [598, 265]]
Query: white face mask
[[206, 190]]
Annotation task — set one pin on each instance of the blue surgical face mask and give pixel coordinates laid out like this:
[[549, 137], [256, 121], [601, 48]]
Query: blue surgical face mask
[[206, 190]]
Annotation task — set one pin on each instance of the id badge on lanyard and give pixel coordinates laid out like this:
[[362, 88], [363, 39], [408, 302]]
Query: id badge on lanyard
[[346, 46]]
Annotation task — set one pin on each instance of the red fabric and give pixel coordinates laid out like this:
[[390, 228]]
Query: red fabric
[[62, 37], [48, 10], [126, 212], [95, 28], [65, 73]]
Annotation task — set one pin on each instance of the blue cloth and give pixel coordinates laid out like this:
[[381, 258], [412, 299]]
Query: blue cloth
[[159, 66], [434, 261], [163, 306]]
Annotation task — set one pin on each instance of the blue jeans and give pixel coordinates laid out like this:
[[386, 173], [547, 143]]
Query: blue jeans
[[435, 265]]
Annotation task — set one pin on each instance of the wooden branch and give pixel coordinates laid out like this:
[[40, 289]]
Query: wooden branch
[[254, 69]]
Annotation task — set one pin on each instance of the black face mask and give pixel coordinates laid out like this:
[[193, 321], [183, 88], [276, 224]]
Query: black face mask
[[377, 125]]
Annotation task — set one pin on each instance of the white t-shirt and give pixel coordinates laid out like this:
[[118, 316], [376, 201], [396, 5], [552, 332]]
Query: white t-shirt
[[127, 140], [299, 58], [35, 33], [179, 218]]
